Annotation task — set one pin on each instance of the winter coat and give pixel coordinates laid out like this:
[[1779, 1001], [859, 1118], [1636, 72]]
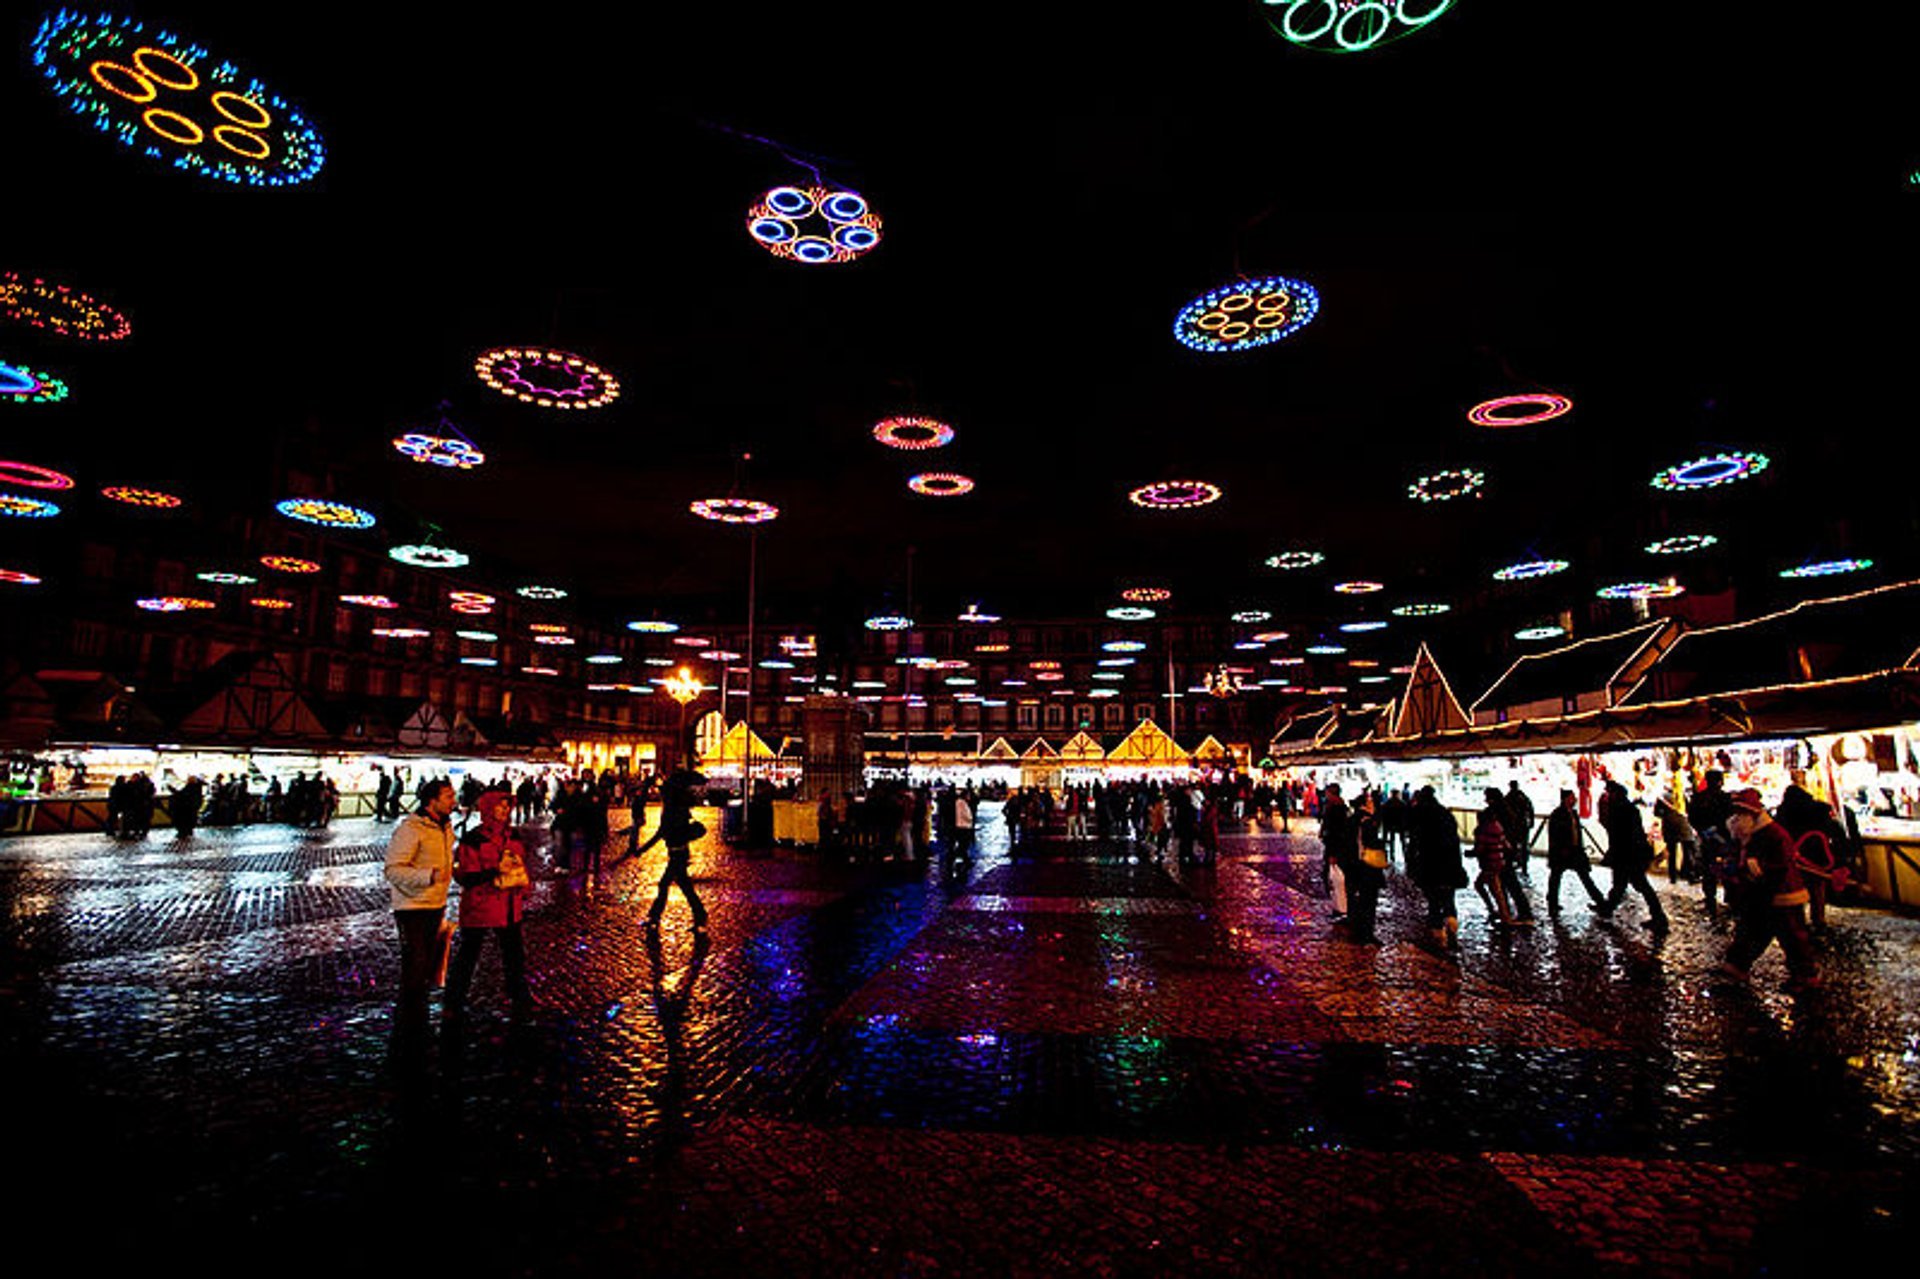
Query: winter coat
[[479, 860], [420, 863]]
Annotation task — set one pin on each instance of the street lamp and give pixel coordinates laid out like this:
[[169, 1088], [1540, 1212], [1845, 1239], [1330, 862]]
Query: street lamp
[[682, 687]]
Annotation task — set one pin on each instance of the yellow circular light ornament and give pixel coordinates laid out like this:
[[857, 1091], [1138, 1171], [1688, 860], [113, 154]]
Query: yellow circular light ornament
[[547, 379]]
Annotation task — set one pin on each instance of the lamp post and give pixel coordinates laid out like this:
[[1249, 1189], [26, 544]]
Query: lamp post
[[682, 687]]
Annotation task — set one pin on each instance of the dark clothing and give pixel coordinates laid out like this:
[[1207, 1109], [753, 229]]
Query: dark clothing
[[513, 965], [1567, 854], [419, 960]]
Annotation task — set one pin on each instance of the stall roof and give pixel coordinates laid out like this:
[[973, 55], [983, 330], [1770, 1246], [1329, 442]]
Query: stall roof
[[1856, 634], [966, 745], [1302, 732], [1148, 744], [1585, 666]]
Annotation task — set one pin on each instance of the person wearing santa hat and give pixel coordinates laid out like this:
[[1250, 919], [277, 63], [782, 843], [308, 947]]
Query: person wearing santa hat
[[1773, 899]]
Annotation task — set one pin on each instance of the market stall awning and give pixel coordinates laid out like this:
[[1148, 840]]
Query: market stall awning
[[1210, 750], [925, 747], [734, 747], [1427, 705], [1082, 749], [1148, 746], [1586, 674], [1000, 750], [1303, 732], [1041, 749]]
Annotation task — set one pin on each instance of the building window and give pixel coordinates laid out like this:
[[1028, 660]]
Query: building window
[[1112, 715], [1142, 711], [1027, 715], [1056, 716]]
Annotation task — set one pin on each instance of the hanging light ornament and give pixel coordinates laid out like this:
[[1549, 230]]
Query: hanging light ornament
[[1711, 471], [975, 617], [14, 577], [1349, 26], [59, 309], [312, 510], [734, 510], [1421, 610], [1295, 559], [270, 603], [1684, 544], [815, 224], [650, 626], [22, 385], [1358, 588], [227, 579], [27, 508], [153, 499], [913, 433], [426, 555], [1550, 630], [1246, 314], [889, 622], [1131, 613], [940, 484], [1146, 594], [540, 593], [28, 476], [175, 101], [289, 564], [548, 379], [1519, 410], [1641, 591], [172, 604], [1827, 568], [1530, 568], [1445, 486], [1175, 495]]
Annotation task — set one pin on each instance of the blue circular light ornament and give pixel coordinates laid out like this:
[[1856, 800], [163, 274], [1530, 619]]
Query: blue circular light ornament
[[1350, 26], [1711, 471], [1641, 591], [1246, 314], [1827, 568], [1131, 613], [1529, 569], [313, 510], [889, 622], [436, 450], [814, 224], [27, 508], [175, 101], [1548, 631], [22, 385]]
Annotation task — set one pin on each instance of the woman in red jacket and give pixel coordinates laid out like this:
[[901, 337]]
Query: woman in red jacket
[[491, 869]]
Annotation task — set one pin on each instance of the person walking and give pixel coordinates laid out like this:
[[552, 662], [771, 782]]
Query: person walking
[[1629, 853], [1707, 812], [1771, 898], [1490, 851], [491, 869], [1513, 853], [184, 807], [1438, 867], [1366, 872], [419, 867], [1338, 842], [1567, 853], [678, 830]]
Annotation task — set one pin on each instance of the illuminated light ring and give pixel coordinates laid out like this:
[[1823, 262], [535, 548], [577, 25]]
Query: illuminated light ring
[[889, 622], [769, 664], [1131, 613], [479, 637], [1328, 26], [1539, 632], [1641, 591], [913, 433], [1249, 646], [650, 627], [1711, 471], [727, 655], [563, 641], [1547, 406], [1530, 568], [1124, 646], [473, 610], [540, 593], [1422, 610], [1269, 637], [369, 601], [940, 484], [1146, 594], [27, 508], [546, 628], [1175, 495], [14, 577], [1248, 616], [1359, 587], [1326, 650], [172, 604], [1049, 677], [479, 661], [400, 632], [469, 597], [289, 564], [1044, 664], [1295, 559], [422, 555], [1683, 544], [1445, 486], [312, 510], [22, 385], [153, 499], [1827, 568], [104, 69], [974, 616], [28, 476], [693, 641], [814, 224], [505, 369], [59, 309], [437, 450], [227, 579], [734, 510], [1361, 628], [1279, 307], [270, 602], [539, 670]]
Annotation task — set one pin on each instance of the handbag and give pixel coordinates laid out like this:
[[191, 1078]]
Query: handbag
[[513, 872], [1374, 857]]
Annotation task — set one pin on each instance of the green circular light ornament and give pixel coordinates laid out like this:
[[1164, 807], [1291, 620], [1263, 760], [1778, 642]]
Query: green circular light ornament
[[1349, 26]]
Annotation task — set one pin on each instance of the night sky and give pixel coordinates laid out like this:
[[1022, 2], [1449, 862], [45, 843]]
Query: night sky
[[1696, 224]]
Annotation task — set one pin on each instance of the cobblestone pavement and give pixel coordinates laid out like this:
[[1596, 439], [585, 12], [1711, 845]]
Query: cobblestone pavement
[[1083, 1061]]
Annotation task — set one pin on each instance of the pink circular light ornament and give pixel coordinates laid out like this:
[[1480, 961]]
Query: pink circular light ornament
[[59, 309], [548, 379], [14, 577], [913, 433], [940, 484], [1175, 495], [1519, 410], [734, 510], [28, 476]]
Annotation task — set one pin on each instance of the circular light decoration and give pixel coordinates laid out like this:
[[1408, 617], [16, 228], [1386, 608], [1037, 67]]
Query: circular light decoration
[[312, 510], [1361, 628], [1146, 594], [479, 637], [912, 433], [1350, 26], [472, 610], [1115, 661], [549, 379], [422, 555], [289, 564], [28, 476], [369, 601], [1249, 646], [539, 670], [480, 598], [1175, 495], [1530, 568], [564, 641], [889, 622], [814, 224], [1827, 568], [1295, 559], [540, 593], [1246, 314], [1641, 591], [14, 577], [992, 648], [693, 641], [1131, 613], [734, 510], [1326, 650], [604, 659], [227, 579], [1422, 610], [1124, 646], [727, 655], [772, 664], [27, 508], [270, 603], [175, 101], [1248, 616], [546, 628], [1519, 410], [1549, 631], [23, 386], [152, 499], [1044, 664], [59, 309], [400, 632], [1445, 486], [479, 661], [1711, 471], [1684, 544], [650, 627], [439, 450], [172, 604], [1268, 637], [940, 484], [1048, 677], [974, 616], [1359, 588]]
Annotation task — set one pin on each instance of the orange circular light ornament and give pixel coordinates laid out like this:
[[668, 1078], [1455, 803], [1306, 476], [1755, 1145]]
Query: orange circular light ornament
[[369, 601], [1175, 495], [940, 484], [270, 603], [734, 510], [152, 499], [913, 433], [1146, 594], [59, 309], [172, 604], [548, 379], [1359, 588], [289, 564]]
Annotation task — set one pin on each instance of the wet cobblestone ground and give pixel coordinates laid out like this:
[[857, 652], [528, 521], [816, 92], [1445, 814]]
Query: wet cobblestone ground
[[1084, 1061]]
